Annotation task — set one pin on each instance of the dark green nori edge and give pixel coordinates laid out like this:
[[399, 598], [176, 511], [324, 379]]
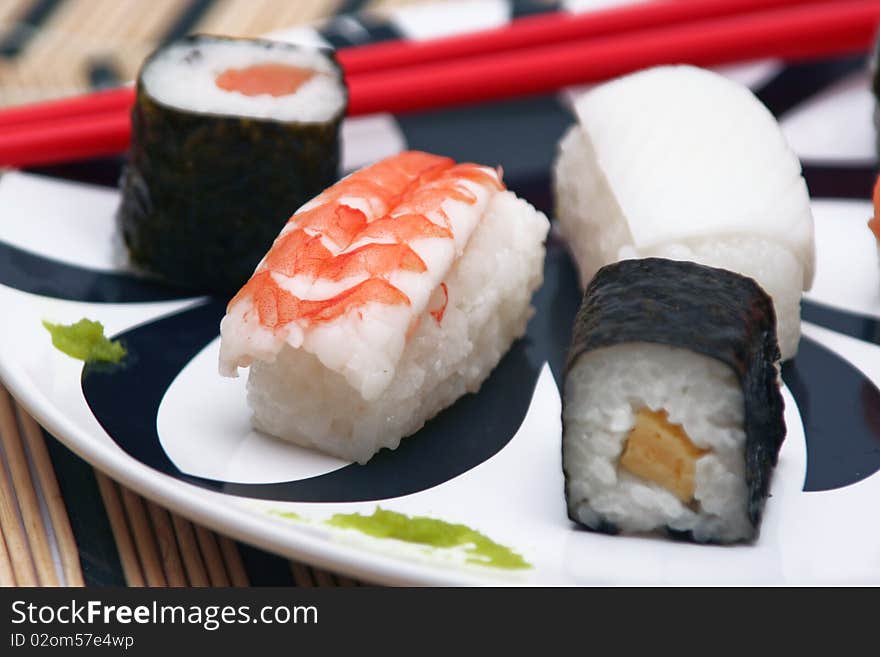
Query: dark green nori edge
[[874, 67], [874, 73], [204, 195], [710, 311]]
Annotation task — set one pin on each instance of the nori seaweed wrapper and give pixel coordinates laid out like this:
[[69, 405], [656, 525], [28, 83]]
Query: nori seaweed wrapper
[[713, 312], [204, 195]]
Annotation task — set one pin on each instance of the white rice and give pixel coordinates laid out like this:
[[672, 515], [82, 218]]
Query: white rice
[[178, 77], [681, 163], [604, 391], [489, 291]]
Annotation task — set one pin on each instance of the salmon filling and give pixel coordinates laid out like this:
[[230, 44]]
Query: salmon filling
[[273, 79]]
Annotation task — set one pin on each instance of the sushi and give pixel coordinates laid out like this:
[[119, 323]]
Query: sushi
[[672, 414], [382, 301], [228, 136], [679, 162], [874, 73], [874, 222]]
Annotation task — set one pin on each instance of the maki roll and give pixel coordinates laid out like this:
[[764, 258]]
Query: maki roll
[[229, 136], [382, 301], [679, 162], [672, 414]]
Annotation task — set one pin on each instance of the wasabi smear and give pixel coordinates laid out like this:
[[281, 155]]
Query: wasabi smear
[[288, 515], [85, 340], [432, 532]]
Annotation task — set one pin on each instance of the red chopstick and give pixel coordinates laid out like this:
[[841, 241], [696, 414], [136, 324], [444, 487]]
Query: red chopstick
[[98, 124], [529, 32], [62, 140], [97, 102], [552, 28], [803, 31]]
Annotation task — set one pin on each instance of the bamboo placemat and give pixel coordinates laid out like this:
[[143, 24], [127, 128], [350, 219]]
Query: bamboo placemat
[[60, 521], [51, 48]]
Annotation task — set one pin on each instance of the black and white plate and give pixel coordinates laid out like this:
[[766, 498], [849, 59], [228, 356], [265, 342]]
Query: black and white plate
[[169, 427]]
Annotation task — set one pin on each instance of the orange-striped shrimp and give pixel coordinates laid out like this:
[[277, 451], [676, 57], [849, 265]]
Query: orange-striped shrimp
[[355, 268], [874, 222]]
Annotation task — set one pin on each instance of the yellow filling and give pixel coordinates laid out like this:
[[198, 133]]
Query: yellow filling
[[660, 451]]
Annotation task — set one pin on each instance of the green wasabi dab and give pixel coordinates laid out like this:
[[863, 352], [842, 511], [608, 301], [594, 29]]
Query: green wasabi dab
[[432, 532], [85, 340], [287, 515]]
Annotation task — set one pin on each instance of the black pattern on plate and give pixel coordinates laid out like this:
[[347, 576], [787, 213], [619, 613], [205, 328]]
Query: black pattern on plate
[[125, 399], [840, 410], [797, 83], [349, 30], [103, 171], [519, 135], [521, 8], [29, 272], [843, 180], [843, 321]]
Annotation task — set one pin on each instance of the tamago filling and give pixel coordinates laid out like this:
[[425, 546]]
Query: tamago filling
[[662, 452]]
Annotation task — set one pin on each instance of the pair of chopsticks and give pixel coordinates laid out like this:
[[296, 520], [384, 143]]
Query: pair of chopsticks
[[530, 56]]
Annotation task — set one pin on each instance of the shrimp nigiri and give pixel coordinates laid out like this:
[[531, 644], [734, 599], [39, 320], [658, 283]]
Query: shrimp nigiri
[[383, 300], [874, 222]]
